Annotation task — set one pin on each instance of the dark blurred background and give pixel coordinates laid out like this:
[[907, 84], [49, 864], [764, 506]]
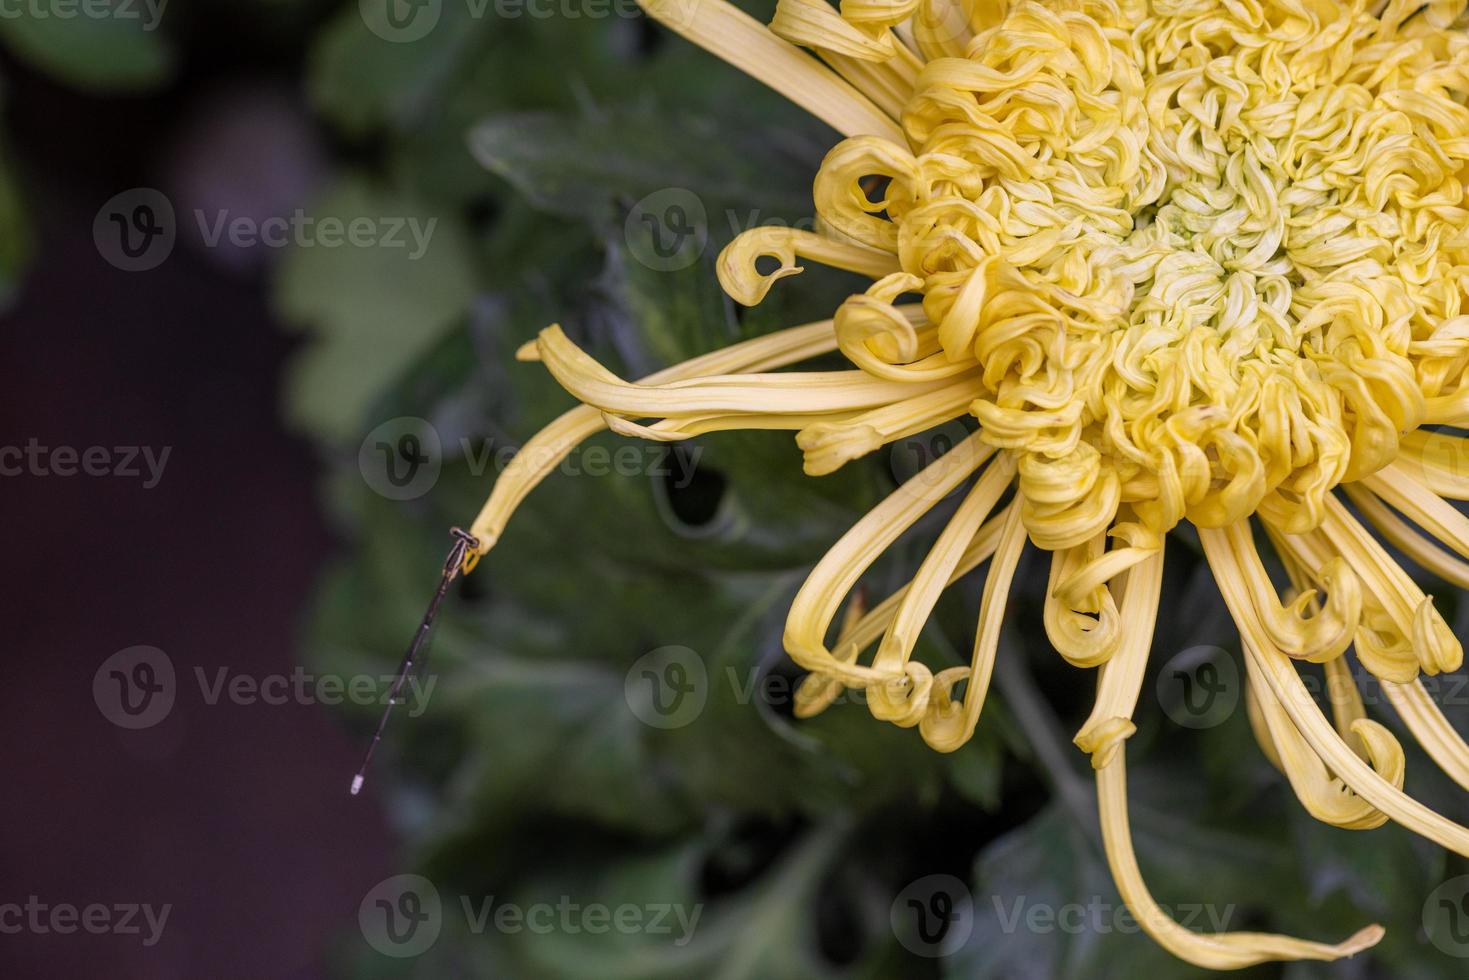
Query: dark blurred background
[[233, 815], [528, 143]]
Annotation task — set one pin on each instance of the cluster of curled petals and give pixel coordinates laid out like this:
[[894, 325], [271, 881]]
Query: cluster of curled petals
[[1208, 259], [1169, 261]]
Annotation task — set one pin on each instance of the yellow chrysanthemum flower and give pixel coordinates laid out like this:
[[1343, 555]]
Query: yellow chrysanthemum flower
[[1182, 260]]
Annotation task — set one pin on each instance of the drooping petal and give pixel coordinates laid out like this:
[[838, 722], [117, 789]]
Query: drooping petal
[[817, 601], [1220, 951], [949, 723], [1110, 723]]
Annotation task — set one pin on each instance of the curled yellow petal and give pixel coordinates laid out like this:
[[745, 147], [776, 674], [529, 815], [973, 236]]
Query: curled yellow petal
[[1110, 723], [747, 285], [1302, 630], [1325, 797], [1083, 625]]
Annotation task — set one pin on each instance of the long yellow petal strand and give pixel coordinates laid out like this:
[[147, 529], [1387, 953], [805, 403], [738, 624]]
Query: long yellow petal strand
[[1110, 723], [681, 429], [757, 394], [1414, 543], [1320, 637], [733, 35], [888, 702], [820, 596], [547, 448], [1286, 684], [816, 692], [948, 724], [1399, 487], [1326, 798], [1220, 951], [829, 444], [1432, 730], [1346, 703], [1259, 728]]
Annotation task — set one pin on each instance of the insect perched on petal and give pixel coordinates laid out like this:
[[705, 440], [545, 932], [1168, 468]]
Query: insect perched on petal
[[1178, 262]]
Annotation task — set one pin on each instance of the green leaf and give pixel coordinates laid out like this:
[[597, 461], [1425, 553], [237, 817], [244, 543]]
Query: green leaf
[[362, 81], [121, 51], [577, 166], [766, 932], [371, 310]]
